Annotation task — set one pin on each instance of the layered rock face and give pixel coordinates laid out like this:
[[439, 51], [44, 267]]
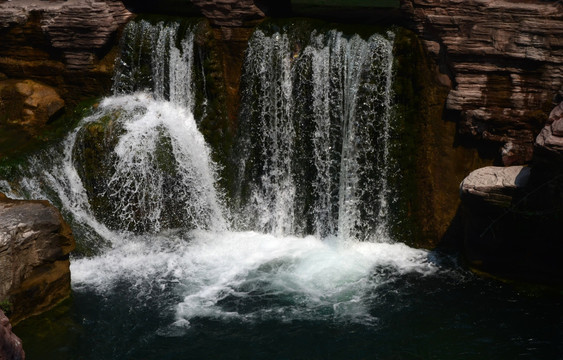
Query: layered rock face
[[229, 13], [10, 344], [504, 59], [34, 265], [63, 44]]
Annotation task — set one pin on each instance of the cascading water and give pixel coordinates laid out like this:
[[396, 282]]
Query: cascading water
[[334, 94]]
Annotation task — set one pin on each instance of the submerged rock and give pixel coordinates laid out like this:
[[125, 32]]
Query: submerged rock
[[10, 344], [34, 265]]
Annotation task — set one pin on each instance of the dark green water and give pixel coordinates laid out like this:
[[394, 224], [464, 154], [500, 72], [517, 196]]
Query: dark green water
[[449, 315]]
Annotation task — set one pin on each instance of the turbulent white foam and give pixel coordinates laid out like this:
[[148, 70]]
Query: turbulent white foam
[[251, 276]]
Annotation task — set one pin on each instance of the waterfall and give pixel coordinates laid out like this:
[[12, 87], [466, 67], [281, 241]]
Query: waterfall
[[159, 59], [316, 156], [303, 234]]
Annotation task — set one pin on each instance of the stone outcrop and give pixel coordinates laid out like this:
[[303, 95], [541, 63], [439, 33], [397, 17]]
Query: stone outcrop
[[63, 44], [494, 185], [28, 104], [504, 60], [511, 219], [34, 264], [230, 13], [549, 142], [10, 344]]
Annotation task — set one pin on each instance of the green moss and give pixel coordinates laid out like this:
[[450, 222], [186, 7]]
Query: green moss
[[419, 101], [7, 307]]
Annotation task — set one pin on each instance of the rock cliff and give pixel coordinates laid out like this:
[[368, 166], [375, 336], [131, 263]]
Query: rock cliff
[[63, 44], [10, 344], [504, 61], [34, 265]]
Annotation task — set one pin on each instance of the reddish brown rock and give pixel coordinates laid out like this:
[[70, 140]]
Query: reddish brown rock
[[28, 104], [504, 59], [230, 13], [10, 344], [64, 44], [34, 265]]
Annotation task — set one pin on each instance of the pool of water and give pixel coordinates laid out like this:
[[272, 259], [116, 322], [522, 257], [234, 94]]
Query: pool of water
[[253, 296]]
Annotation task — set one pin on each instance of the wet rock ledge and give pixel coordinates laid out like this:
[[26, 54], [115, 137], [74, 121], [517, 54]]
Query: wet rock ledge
[[34, 257]]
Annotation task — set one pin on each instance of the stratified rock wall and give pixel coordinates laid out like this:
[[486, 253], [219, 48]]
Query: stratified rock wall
[[10, 344], [229, 13], [64, 44], [34, 265], [504, 59]]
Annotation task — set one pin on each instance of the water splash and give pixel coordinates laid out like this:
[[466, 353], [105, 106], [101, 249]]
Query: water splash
[[159, 172], [248, 276]]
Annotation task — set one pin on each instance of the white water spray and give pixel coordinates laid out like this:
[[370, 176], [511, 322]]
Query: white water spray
[[340, 183]]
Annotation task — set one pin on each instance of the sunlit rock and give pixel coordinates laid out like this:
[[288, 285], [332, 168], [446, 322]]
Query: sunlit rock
[[494, 185], [34, 266], [504, 60]]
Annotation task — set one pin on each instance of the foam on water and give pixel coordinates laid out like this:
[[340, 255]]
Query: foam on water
[[250, 276]]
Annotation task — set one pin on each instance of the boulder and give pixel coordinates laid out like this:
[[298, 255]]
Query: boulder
[[10, 344], [34, 256], [494, 185], [28, 104], [511, 223]]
